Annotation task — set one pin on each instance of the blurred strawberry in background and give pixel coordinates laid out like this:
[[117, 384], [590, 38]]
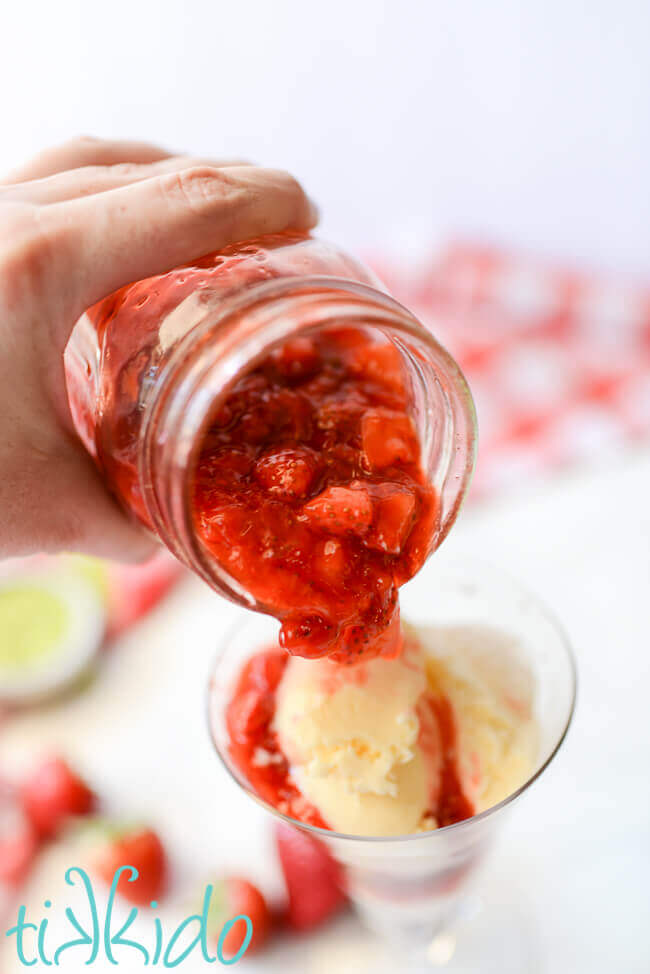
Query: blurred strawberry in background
[[19, 841], [133, 590], [313, 879], [52, 795], [117, 845], [231, 897]]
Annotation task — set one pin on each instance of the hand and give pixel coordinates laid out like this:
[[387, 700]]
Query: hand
[[76, 223]]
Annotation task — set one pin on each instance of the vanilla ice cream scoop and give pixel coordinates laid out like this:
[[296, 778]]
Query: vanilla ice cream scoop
[[365, 744], [353, 738]]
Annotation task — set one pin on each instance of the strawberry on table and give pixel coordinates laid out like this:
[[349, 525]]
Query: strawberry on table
[[136, 589], [53, 794], [17, 853], [231, 897], [314, 880], [132, 846], [19, 842]]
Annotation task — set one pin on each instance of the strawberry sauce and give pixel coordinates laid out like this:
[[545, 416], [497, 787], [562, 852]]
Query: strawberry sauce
[[309, 491], [253, 744], [453, 805]]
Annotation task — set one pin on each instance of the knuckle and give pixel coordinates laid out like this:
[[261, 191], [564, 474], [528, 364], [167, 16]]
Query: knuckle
[[199, 187], [29, 256]]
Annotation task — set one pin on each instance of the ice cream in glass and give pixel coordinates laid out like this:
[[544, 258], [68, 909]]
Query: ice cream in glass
[[405, 767]]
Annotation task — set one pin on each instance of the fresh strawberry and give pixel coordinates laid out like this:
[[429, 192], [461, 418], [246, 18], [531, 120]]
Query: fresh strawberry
[[52, 794], [314, 880], [231, 897], [388, 438], [340, 511], [137, 847], [19, 842]]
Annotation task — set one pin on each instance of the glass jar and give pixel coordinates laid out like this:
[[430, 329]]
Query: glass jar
[[148, 366]]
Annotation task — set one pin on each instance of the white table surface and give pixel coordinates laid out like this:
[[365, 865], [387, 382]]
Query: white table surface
[[572, 866]]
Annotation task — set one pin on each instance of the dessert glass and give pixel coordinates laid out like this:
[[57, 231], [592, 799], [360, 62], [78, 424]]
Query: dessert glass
[[412, 889]]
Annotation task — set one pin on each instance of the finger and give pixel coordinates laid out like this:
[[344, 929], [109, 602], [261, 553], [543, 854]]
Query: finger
[[93, 522], [56, 501], [85, 151], [152, 226], [90, 180]]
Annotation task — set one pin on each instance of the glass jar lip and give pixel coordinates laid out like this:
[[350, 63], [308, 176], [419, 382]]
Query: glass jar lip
[[456, 827], [340, 295]]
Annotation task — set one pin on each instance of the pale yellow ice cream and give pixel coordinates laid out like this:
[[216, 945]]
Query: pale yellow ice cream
[[359, 751], [491, 690], [350, 734]]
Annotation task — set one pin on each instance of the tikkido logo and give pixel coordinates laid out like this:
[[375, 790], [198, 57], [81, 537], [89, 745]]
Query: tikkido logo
[[33, 940]]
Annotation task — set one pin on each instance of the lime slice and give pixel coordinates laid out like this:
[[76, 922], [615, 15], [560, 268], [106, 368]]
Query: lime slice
[[51, 626]]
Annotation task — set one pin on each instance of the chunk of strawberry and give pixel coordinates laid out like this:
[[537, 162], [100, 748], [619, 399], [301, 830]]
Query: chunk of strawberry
[[330, 561], [224, 465], [314, 880], [388, 438], [340, 511], [297, 359], [394, 513], [306, 635], [381, 364], [343, 415], [263, 670], [287, 472], [248, 712], [227, 524]]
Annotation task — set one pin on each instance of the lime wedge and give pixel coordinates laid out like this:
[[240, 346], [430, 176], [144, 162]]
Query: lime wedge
[[51, 626]]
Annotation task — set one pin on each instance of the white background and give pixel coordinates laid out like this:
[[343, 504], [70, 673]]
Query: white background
[[526, 121]]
